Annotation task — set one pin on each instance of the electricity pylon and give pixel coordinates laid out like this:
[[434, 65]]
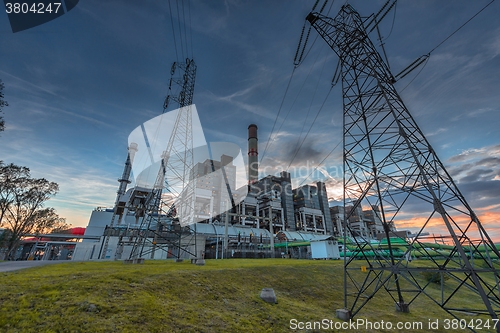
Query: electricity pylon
[[175, 172], [391, 167], [180, 160]]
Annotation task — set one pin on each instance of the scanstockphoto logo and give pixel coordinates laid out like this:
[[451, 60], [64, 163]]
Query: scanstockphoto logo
[[199, 180], [26, 14]]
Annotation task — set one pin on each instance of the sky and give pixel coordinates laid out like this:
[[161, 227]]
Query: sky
[[78, 85]]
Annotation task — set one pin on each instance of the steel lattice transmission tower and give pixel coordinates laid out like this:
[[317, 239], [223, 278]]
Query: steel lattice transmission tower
[[390, 166], [177, 166], [179, 159]]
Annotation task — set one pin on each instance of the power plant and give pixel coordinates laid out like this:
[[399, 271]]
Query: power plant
[[249, 221], [196, 200]]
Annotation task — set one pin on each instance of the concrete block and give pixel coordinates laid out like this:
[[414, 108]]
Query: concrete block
[[343, 314], [402, 307], [268, 295]]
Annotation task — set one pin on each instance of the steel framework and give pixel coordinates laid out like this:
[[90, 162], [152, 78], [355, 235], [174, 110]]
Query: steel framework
[[391, 167], [177, 164], [119, 208]]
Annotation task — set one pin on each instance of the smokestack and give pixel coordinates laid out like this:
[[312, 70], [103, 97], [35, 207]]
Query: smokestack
[[253, 155], [124, 181], [132, 149]]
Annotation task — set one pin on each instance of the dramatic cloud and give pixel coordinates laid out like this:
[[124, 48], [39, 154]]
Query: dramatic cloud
[[476, 172], [79, 85]]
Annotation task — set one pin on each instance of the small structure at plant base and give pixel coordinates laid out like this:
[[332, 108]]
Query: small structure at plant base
[[201, 260], [268, 295], [343, 314]]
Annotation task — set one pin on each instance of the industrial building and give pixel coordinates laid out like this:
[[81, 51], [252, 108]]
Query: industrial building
[[205, 209], [363, 223], [251, 221]]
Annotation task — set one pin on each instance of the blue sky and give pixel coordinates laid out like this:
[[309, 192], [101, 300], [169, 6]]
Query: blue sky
[[77, 86]]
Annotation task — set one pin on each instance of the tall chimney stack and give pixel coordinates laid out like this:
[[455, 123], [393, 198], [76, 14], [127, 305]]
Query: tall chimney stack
[[253, 155], [124, 181]]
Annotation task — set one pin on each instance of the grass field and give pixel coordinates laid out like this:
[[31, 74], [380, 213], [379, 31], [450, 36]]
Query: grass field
[[165, 296]]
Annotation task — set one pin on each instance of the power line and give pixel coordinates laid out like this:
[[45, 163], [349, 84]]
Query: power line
[[185, 29], [423, 58], [310, 127], [375, 20], [320, 163], [460, 27], [277, 115], [420, 71], [190, 29], [173, 30], [406, 71], [312, 100], [299, 59], [393, 20], [180, 28], [297, 62], [270, 139], [297, 97]]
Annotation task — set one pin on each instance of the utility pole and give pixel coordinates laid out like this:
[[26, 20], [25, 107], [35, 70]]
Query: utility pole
[[226, 230], [271, 231]]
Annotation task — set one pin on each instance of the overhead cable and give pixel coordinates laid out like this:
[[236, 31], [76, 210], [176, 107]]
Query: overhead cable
[[425, 57], [375, 17], [173, 30], [190, 29], [310, 127], [420, 71], [393, 20], [297, 95], [312, 99], [460, 27], [277, 115], [185, 29], [180, 28], [320, 163]]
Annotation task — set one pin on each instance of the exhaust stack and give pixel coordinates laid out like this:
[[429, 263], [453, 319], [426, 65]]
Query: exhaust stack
[[253, 155]]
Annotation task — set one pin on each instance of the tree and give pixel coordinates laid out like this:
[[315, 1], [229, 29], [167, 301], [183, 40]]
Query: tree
[[48, 221], [2, 104], [11, 178], [21, 203]]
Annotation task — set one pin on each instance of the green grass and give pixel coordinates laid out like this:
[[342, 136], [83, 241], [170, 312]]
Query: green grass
[[165, 296]]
